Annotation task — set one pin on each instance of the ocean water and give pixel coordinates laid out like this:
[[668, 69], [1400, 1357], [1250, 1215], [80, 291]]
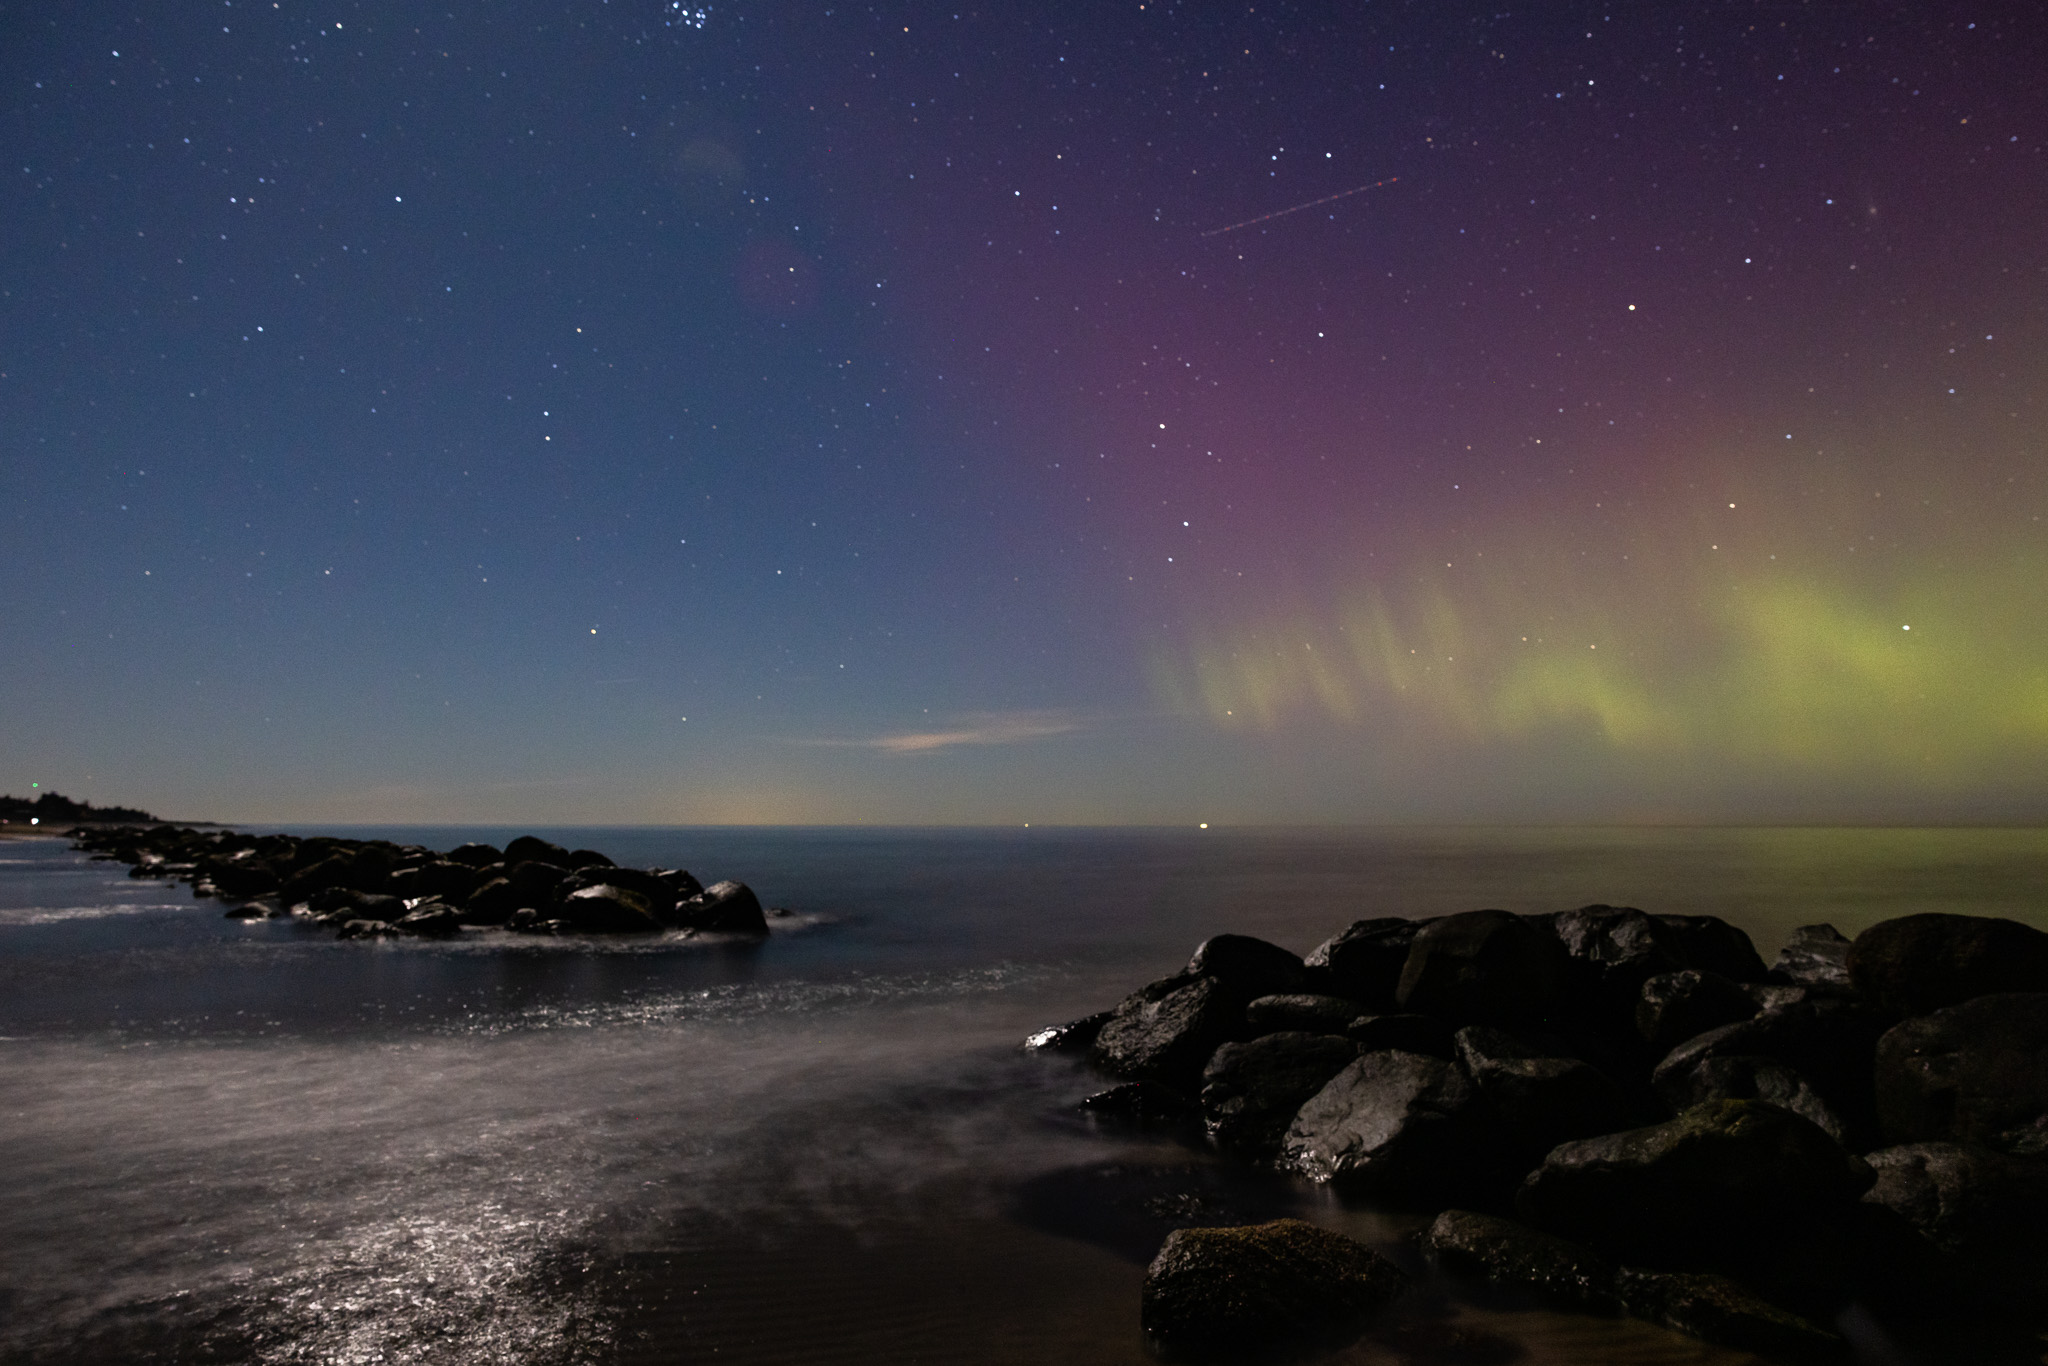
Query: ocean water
[[247, 1141]]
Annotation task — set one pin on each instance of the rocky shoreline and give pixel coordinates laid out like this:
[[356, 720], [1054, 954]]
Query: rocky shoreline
[[1613, 1113], [369, 889]]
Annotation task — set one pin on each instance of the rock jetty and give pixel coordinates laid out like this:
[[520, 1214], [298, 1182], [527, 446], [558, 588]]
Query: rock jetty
[[372, 888], [1615, 1113]]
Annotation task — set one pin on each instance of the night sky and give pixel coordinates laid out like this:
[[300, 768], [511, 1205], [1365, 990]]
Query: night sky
[[799, 412]]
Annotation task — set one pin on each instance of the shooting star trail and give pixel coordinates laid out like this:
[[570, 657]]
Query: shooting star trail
[[1282, 213]]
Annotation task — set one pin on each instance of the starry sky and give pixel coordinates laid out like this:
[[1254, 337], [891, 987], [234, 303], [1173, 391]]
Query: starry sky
[[620, 411]]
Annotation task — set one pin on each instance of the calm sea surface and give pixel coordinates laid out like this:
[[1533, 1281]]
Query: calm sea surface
[[229, 1141]]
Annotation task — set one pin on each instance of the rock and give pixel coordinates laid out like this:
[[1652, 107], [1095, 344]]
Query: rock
[[366, 929], [1166, 1031], [1829, 1040], [1708, 943], [1404, 1127], [1816, 956], [1404, 1033], [445, 878], [1720, 1311], [1365, 960], [375, 906], [431, 921], [252, 911], [1675, 1006], [1251, 1091], [1615, 949], [1248, 967], [1301, 1011], [1735, 1185], [1539, 1099], [1987, 1211], [1740, 1077], [493, 903], [535, 881], [1511, 1256], [475, 855], [1977, 1071], [1139, 1102], [1076, 1036], [1221, 1292], [679, 881], [244, 879], [722, 908], [307, 882], [1919, 963], [531, 849], [605, 909], [658, 895], [586, 858], [1486, 967]]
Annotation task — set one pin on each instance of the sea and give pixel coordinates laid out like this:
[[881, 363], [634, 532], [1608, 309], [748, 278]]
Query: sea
[[247, 1141]]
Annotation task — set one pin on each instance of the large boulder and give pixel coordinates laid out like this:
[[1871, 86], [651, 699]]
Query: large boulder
[[1614, 950], [1828, 1039], [1722, 1311], [531, 848], [445, 878], [1248, 967], [1075, 1036], [1403, 1127], [1675, 1006], [1815, 956], [1225, 1292], [314, 878], [476, 855], [722, 908], [1540, 1099], [605, 909], [1301, 1011], [1986, 1210], [1485, 967], [1167, 1030], [1516, 1258], [1975, 1072], [1365, 959], [1251, 1090], [1403, 1033], [1742, 1077], [1738, 1186], [493, 903], [587, 858], [1711, 944], [1920, 963], [660, 898]]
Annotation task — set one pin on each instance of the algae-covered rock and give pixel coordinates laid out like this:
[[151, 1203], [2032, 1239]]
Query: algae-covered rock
[[1221, 1292]]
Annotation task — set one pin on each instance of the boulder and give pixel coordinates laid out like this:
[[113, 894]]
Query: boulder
[[1718, 1310], [534, 882], [1365, 960], [1815, 956], [433, 920], [1166, 1031], [445, 878], [722, 908], [1919, 963], [1143, 1103], [1485, 967], [1741, 1077], [1405, 1033], [1403, 1127], [1251, 1091], [658, 895], [1829, 1040], [1076, 1036], [1301, 1011], [1711, 944], [1974, 1072], [1248, 967], [376, 906], [366, 929], [679, 881], [314, 878], [493, 903], [531, 849], [1675, 1006], [586, 858], [1986, 1210], [1516, 1258], [605, 909], [1738, 1186], [1539, 1099], [1614, 950], [1224, 1292], [475, 855]]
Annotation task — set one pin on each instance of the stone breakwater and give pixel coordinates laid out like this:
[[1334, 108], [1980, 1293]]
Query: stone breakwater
[[1615, 1113], [371, 888]]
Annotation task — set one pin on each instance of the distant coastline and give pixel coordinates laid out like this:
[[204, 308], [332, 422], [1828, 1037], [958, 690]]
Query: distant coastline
[[53, 814]]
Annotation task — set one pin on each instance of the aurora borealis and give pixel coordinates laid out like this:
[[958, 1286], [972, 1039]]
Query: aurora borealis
[[635, 412]]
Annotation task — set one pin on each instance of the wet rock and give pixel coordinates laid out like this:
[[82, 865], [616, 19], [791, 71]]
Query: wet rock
[[660, 898], [1919, 963], [318, 877], [1718, 1310], [1986, 1210], [1222, 1292], [1166, 1031], [445, 878], [250, 878], [1974, 1072], [1675, 1006], [1827, 1039], [1614, 950], [1301, 1011], [476, 855], [366, 929], [493, 902], [1076, 1036], [1404, 1127], [1251, 1091], [722, 908], [1733, 1185], [1740, 1077], [254, 910], [586, 858], [376, 906], [1485, 967], [1365, 959], [532, 849], [1514, 1257], [1249, 967], [434, 920], [1404, 1033], [605, 909], [1710, 944], [1541, 1100], [1141, 1103], [679, 881], [1816, 956]]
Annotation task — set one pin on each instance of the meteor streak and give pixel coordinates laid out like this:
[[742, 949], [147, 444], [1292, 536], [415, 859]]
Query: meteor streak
[[1282, 213]]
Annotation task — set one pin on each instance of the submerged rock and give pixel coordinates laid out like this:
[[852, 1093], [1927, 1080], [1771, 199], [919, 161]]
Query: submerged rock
[[1223, 1292], [1514, 1257], [1975, 1072], [1251, 1090], [1401, 1126], [1921, 963], [1721, 1311]]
